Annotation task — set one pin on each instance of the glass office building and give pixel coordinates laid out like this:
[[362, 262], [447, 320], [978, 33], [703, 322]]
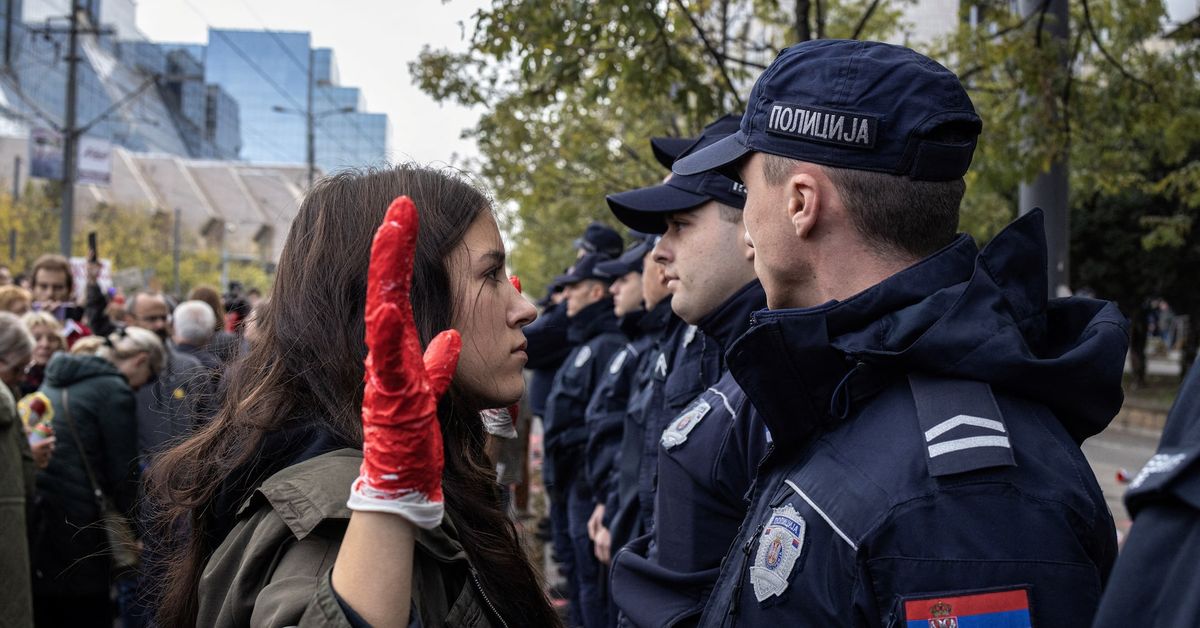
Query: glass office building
[[267, 74]]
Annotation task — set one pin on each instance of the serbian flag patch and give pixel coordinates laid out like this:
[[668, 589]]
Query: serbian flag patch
[[1008, 608]]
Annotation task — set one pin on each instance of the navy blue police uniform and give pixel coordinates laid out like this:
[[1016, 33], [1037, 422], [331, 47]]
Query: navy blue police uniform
[[596, 338], [925, 467], [623, 513], [1156, 579], [605, 413], [707, 459]]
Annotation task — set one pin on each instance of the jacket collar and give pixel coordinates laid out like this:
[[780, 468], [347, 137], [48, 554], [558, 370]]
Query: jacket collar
[[657, 319], [732, 318], [790, 367], [592, 321]]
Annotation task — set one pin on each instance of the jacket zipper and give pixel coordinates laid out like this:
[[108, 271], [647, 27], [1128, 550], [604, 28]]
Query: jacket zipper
[[486, 600], [737, 589]]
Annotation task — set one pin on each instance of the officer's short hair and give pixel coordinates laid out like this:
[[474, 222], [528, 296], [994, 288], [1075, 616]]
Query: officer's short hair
[[729, 214], [902, 216]]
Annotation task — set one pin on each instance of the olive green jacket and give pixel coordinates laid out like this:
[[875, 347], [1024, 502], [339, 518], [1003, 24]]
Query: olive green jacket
[[273, 568], [16, 604]]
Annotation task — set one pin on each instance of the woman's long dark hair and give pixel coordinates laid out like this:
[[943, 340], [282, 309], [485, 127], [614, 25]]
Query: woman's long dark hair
[[307, 361]]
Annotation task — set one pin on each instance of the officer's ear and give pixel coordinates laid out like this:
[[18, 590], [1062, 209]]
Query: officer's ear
[[804, 201]]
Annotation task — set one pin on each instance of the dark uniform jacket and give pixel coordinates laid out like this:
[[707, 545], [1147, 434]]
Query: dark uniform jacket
[[596, 338], [70, 551], [622, 513], [706, 462], [547, 347], [273, 568], [16, 602], [1156, 579], [925, 466], [605, 413], [167, 406], [689, 364]]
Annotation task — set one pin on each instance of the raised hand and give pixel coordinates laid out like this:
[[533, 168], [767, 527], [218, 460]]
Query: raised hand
[[402, 442]]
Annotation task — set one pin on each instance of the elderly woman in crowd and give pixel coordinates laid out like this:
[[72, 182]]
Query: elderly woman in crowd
[[96, 425], [48, 339], [16, 477]]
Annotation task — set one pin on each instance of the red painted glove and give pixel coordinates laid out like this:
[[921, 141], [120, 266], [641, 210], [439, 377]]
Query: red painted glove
[[502, 422], [402, 441]]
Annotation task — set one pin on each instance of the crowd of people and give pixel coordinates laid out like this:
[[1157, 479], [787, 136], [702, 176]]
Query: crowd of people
[[794, 395], [94, 392]]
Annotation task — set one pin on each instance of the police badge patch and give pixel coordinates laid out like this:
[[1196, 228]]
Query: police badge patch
[[677, 432], [615, 366], [779, 547], [581, 358]]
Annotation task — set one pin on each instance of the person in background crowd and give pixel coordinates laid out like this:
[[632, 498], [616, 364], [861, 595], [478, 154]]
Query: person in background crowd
[[707, 455], [595, 338], [70, 551], [15, 300], [195, 323], [1155, 580], [6, 278], [166, 407], [317, 438], [22, 281], [52, 287], [253, 298], [16, 478], [926, 401], [225, 344], [48, 338]]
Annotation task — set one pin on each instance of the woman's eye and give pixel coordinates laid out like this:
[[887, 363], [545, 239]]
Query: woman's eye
[[496, 274]]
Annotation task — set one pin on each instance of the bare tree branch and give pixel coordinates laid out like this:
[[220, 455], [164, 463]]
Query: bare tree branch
[[1087, 20], [713, 53], [862, 22]]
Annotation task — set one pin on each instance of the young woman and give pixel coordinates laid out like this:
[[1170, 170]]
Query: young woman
[[265, 487]]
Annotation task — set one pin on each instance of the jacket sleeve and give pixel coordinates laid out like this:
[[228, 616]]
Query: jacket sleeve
[[95, 312], [605, 421], [119, 428]]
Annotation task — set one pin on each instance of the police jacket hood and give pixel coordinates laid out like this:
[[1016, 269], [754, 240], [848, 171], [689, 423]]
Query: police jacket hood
[[960, 312]]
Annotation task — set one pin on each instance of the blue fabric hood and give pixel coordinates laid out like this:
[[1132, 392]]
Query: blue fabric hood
[[969, 314]]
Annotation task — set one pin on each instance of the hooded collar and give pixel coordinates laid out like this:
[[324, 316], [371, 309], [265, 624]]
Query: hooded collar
[[732, 318], [591, 321], [631, 323], [657, 319], [960, 313]]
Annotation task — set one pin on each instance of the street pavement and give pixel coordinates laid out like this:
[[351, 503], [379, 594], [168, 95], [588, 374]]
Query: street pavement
[[1114, 450]]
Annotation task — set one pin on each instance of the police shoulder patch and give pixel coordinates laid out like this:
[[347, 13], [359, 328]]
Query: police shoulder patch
[[779, 547], [614, 367], [677, 432], [1007, 607], [581, 358]]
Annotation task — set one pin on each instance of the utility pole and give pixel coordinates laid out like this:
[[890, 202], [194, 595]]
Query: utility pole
[[311, 122], [70, 135], [1049, 189], [16, 193]]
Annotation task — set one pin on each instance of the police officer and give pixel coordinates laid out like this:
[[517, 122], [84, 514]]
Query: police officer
[[707, 454], [605, 414], [925, 400], [595, 336], [1156, 580]]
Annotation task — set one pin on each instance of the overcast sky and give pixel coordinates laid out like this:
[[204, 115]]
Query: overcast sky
[[373, 41]]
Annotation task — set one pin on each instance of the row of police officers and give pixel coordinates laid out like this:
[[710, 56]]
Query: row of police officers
[[801, 398]]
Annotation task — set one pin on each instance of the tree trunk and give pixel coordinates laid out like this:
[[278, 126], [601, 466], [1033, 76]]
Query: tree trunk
[[803, 28]]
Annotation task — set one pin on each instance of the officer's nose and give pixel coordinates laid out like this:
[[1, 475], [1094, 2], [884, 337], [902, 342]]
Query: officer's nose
[[660, 254]]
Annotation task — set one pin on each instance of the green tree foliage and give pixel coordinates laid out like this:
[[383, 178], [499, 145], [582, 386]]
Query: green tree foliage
[[131, 238], [572, 91]]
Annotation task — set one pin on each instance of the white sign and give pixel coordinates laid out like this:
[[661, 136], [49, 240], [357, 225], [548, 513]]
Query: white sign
[[95, 161]]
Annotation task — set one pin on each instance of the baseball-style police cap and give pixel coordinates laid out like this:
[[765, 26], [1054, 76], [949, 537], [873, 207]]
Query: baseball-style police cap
[[630, 261], [584, 269], [853, 104], [668, 149], [600, 238], [645, 209]]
